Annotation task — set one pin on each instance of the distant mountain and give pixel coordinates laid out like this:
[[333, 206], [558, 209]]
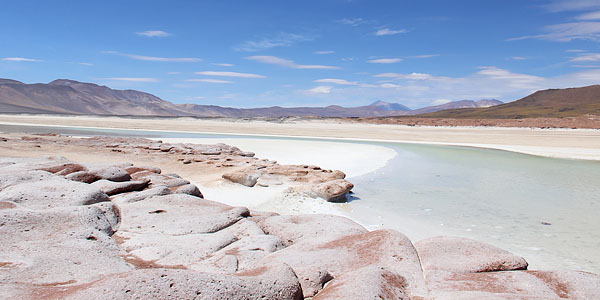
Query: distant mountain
[[390, 106], [73, 97], [571, 102], [457, 104]]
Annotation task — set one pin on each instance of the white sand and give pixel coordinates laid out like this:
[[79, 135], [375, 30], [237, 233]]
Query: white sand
[[351, 158]]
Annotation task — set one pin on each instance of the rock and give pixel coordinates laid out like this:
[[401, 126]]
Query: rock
[[52, 192], [159, 179], [211, 151], [59, 246], [83, 176], [277, 283], [11, 178], [160, 190], [113, 188], [179, 214], [112, 173], [312, 258], [245, 177], [332, 191], [296, 228], [460, 255], [135, 169], [3, 139], [189, 189], [367, 283], [165, 147], [52, 164], [514, 285]]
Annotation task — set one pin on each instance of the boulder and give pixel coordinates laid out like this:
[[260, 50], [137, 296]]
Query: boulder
[[514, 285], [159, 190], [113, 188], [277, 283], [460, 255], [247, 177], [188, 189], [159, 179], [59, 246], [135, 169], [332, 191], [313, 259], [296, 228], [16, 177], [52, 192]]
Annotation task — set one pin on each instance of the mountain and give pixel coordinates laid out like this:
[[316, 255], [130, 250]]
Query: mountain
[[456, 105], [390, 106], [73, 97], [571, 102]]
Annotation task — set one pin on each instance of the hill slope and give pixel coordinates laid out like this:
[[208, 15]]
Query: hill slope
[[571, 102]]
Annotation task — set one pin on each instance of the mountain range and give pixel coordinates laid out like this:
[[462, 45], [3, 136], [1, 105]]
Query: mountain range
[[63, 96], [570, 102]]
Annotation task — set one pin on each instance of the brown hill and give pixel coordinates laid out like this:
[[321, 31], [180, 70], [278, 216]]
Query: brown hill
[[571, 102]]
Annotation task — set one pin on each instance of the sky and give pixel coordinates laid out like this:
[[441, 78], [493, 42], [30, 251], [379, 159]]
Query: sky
[[306, 53]]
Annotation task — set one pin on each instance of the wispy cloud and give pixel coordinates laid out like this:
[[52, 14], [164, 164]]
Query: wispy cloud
[[209, 80], [425, 56], [133, 79], [518, 58], [385, 60], [324, 52], [595, 15], [575, 50], [571, 5], [155, 58], [320, 90], [586, 57], [20, 59], [173, 73], [230, 74], [567, 32], [411, 76], [85, 64], [280, 40], [222, 65], [351, 21], [153, 33], [337, 81], [387, 31], [274, 60]]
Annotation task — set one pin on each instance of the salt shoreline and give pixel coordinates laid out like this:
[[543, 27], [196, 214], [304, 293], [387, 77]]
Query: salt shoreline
[[513, 139]]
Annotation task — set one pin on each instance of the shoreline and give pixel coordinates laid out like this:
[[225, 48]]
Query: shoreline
[[506, 139]]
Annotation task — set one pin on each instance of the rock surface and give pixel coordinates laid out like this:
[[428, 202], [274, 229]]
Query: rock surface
[[156, 237]]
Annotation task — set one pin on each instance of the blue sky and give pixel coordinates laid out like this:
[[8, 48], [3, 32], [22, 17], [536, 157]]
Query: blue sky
[[306, 53]]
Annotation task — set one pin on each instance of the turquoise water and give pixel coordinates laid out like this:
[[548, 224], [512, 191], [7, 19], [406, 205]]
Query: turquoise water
[[546, 210]]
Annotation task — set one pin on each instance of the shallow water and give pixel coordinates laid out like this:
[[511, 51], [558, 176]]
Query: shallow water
[[503, 198]]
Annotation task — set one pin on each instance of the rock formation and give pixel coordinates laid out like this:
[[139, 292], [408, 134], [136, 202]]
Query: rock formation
[[149, 235]]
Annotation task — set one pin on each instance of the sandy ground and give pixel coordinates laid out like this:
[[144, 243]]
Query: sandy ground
[[563, 143]]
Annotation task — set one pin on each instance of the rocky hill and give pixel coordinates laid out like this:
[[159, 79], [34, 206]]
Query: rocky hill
[[571, 102]]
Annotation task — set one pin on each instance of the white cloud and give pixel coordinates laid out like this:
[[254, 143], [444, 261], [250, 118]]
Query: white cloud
[[209, 80], [389, 85], [86, 64], [385, 60], [153, 33], [133, 79], [274, 60], [575, 50], [351, 22], [324, 52], [587, 57], [337, 81], [595, 15], [387, 31], [280, 40], [222, 65], [412, 76], [173, 73], [518, 58], [155, 58], [567, 32], [230, 74], [20, 59], [425, 56], [571, 5], [320, 90]]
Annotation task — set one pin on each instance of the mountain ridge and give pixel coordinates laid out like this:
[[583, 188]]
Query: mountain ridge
[[66, 96]]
